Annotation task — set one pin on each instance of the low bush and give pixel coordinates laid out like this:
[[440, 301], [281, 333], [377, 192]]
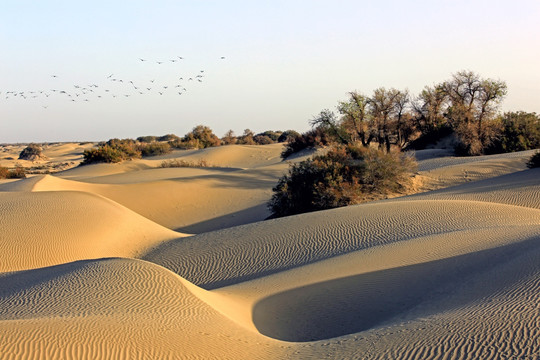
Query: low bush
[[309, 139], [154, 149], [287, 135], [345, 175], [102, 154], [148, 139], [262, 140], [175, 163], [17, 173], [534, 160], [31, 152], [168, 137]]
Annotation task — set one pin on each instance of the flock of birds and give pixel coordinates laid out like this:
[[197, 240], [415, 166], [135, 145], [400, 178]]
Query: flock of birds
[[114, 86]]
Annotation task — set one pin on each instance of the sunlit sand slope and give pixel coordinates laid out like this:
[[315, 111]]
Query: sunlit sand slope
[[232, 255], [48, 228]]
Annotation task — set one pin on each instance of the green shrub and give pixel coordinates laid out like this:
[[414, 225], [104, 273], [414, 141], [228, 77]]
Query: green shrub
[[345, 175], [154, 149], [534, 161]]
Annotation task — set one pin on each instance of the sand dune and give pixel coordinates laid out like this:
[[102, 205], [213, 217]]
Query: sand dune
[[451, 273], [115, 308], [48, 228]]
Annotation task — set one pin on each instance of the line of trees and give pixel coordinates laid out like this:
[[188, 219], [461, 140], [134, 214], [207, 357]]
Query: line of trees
[[466, 105]]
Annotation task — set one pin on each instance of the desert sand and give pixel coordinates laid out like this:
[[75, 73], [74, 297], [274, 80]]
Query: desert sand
[[136, 261]]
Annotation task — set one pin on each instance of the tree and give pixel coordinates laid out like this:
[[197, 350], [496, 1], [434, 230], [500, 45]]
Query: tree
[[520, 131], [473, 103], [356, 119], [229, 138], [404, 125], [383, 107], [247, 138], [429, 107], [327, 122]]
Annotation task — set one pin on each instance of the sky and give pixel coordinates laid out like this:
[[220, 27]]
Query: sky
[[72, 70]]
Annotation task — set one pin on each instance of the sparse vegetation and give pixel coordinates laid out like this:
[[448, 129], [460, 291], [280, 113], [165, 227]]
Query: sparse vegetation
[[347, 174], [17, 173], [176, 163], [534, 161], [154, 148]]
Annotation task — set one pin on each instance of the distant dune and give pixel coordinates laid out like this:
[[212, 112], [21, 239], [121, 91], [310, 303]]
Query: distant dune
[[132, 260]]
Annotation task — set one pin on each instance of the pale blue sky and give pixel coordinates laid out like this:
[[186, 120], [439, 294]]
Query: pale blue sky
[[284, 60]]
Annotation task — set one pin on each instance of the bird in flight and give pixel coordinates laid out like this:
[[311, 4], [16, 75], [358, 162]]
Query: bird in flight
[[54, 76], [142, 59], [223, 57]]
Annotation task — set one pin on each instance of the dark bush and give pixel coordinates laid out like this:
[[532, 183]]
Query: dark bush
[[273, 135], [31, 152], [430, 137], [262, 140], [309, 139], [148, 139], [113, 151], [154, 149], [168, 137], [345, 175], [128, 147], [286, 135], [534, 161], [102, 154]]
